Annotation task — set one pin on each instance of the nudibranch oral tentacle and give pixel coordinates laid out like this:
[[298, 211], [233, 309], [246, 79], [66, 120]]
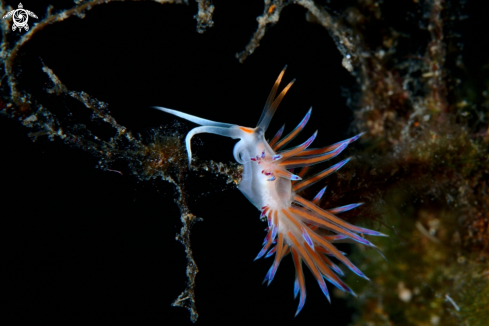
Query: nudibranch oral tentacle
[[295, 224]]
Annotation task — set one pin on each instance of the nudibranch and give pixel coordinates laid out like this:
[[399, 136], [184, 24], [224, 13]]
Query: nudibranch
[[295, 225]]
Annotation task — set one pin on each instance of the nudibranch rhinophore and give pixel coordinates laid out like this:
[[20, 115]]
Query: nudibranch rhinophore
[[295, 225]]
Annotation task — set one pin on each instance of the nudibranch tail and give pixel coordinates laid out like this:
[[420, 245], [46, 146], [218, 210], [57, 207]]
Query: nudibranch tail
[[295, 225]]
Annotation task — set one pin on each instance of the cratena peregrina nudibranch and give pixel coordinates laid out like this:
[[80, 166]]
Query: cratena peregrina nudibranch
[[295, 225]]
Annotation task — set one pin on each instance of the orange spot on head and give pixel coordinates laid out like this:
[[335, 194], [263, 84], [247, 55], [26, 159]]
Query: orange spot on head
[[271, 9], [416, 124], [247, 130]]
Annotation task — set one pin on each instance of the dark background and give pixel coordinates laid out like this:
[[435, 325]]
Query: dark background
[[80, 245]]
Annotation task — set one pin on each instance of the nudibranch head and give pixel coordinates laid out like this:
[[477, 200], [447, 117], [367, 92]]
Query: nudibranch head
[[295, 225]]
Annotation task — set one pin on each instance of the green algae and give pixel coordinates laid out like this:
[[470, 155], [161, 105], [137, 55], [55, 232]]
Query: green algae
[[429, 279]]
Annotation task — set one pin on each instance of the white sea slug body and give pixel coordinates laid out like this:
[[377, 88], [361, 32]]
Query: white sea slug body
[[295, 225]]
